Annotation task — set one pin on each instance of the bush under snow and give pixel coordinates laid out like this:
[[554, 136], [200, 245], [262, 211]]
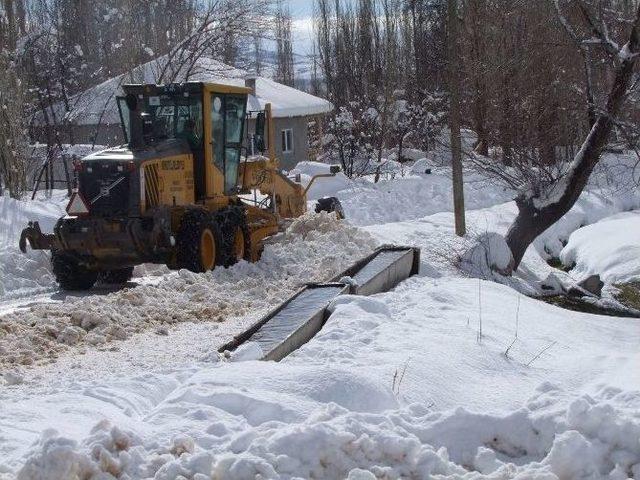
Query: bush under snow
[[489, 255]]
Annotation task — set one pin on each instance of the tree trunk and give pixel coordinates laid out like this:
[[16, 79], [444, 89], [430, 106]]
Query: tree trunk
[[588, 83]]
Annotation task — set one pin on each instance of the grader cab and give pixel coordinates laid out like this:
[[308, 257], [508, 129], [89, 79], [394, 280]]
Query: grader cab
[[183, 191]]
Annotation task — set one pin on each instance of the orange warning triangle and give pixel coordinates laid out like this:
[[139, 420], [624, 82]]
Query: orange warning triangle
[[77, 205]]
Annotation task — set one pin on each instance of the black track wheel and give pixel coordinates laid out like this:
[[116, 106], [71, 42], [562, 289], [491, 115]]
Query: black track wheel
[[237, 242], [199, 242], [69, 274], [118, 276], [329, 205]]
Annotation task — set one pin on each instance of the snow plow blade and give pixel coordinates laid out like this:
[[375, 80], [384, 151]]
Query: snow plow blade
[[298, 319], [37, 239]]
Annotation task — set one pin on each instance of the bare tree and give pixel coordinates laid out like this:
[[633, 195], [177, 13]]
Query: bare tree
[[284, 54], [216, 35], [371, 50], [12, 138], [544, 203]]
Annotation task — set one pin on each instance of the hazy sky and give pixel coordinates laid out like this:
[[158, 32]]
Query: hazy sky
[[301, 8], [301, 11]]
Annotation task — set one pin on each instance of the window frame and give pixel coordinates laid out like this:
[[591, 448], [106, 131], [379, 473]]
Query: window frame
[[286, 141]]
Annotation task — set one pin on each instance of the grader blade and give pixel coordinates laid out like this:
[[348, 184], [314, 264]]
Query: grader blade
[[37, 240]]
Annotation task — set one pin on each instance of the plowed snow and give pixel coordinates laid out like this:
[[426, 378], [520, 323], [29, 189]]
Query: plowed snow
[[314, 248]]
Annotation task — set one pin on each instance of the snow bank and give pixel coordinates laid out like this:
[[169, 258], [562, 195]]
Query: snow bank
[[592, 206], [397, 386], [610, 248], [442, 249], [412, 197], [314, 248], [20, 273], [421, 166], [401, 198], [589, 440], [337, 408], [336, 443]]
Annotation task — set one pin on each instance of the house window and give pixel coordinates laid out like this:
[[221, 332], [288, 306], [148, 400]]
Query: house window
[[287, 140]]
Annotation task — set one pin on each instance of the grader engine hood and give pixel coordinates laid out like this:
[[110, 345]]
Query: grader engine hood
[[119, 182], [105, 186]]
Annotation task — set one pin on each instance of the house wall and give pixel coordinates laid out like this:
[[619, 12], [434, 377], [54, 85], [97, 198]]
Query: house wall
[[111, 135], [300, 151]]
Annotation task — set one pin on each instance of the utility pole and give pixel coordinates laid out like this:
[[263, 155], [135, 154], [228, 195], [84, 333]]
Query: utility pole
[[454, 118]]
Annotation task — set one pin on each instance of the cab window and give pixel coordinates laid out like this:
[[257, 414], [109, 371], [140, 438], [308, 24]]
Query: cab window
[[227, 129]]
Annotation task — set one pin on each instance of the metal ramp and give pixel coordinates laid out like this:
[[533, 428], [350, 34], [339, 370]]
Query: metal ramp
[[298, 319]]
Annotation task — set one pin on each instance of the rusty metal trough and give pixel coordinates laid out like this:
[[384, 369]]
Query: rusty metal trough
[[298, 319]]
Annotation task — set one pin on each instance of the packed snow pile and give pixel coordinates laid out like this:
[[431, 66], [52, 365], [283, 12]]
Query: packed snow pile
[[20, 273], [591, 439], [609, 248], [314, 248]]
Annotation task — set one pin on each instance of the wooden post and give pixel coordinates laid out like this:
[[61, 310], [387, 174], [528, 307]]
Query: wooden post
[[454, 119], [271, 132]]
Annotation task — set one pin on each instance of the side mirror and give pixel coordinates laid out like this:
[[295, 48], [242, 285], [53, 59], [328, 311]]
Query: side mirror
[[260, 122], [259, 135], [335, 169]]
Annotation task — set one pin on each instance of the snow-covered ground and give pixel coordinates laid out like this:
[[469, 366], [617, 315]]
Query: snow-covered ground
[[446, 375]]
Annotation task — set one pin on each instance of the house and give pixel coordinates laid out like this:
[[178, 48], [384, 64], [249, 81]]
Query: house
[[94, 119]]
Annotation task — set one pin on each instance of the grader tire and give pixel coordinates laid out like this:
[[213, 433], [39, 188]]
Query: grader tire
[[118, 276], [241, 245], [237, 242], [199, 242], [69, 274]]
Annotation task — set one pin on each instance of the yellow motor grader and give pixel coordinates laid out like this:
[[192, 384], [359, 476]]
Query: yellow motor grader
[[183, 191]]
